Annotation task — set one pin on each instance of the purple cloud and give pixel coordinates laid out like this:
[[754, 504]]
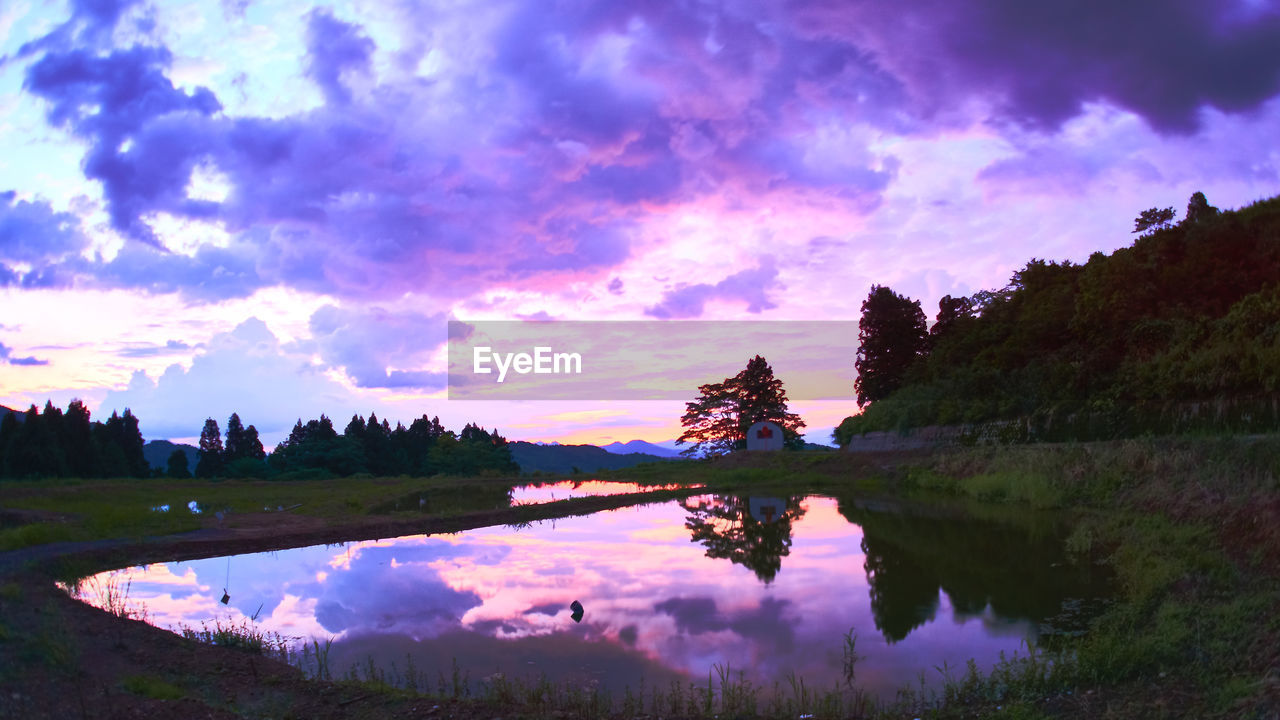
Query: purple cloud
[[34, 233], [333, 49], [6, 355], [125, 97], [534, 170], [1041, 62], [365, 343], [751, 286]]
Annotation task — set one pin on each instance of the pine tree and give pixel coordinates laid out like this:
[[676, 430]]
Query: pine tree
[[891, 337], [209, 460], [253, 445], [234, 449], [78, 444]]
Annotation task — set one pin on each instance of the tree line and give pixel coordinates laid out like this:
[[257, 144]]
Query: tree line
[[1179, 330], [54, 443], [57, 444]]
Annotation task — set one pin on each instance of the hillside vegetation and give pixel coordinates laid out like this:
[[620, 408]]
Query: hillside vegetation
[[1178, 332]]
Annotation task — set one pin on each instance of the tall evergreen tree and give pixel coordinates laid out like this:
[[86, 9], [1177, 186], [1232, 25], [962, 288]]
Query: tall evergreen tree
[[234, 448], [209, 457], [8, 438], [131, 442], [78, 445], [253, 445], [891, 338]]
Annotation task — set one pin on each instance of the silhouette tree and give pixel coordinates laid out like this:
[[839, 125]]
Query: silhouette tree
[[235, 447], [209, 459], [78, 440], [717, 421], [178, 466], [1199, 209], [950, 311], [1153, 218], [253, 444], [891, 338]]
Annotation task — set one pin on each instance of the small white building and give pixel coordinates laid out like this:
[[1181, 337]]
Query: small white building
[[764, 435]]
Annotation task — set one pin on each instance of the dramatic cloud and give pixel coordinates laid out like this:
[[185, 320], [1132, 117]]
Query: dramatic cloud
[[401, 186], [125, 98], [1041, 62]]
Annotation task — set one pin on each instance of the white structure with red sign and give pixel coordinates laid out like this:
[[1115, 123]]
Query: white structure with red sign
[[764, 435]]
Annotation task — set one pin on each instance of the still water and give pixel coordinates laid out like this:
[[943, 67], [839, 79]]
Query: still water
[[768, 585]]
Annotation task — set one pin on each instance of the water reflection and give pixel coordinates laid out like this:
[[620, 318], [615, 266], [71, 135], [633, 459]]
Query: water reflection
[[492, 496], [752, 532], [1017, 569], [662, 601]]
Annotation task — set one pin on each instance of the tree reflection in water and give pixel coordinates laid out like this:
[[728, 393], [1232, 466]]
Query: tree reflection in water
[[1017, 569], [727, 527]]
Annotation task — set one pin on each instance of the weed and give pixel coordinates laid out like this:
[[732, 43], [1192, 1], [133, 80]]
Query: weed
[[245, 636]]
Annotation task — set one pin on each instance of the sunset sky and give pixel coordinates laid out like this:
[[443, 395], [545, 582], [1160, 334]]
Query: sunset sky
[[274, 208]]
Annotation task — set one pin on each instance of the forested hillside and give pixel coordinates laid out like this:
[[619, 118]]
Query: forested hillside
[[1179, 331]]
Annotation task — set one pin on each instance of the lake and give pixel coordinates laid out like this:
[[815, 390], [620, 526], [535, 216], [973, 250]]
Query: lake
[[771, 586]]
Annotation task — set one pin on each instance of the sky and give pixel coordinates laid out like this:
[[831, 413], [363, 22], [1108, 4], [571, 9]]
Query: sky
[[275, 207]]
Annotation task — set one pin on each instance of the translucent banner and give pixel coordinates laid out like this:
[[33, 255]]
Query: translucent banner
[[644, 360]]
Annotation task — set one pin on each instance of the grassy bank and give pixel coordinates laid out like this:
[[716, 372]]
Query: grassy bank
[[55, 510]]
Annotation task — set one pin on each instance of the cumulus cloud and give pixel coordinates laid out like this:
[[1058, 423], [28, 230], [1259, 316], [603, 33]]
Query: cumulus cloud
[[34, 240], [365, 343], [245, 371], [750, 286]]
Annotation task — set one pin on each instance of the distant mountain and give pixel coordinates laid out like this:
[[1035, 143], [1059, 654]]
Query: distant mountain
[[18, 414], [564, 459], [640, 446], [157, 453]]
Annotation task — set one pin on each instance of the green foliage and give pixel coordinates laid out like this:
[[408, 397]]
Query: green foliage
[[1178, 332]]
